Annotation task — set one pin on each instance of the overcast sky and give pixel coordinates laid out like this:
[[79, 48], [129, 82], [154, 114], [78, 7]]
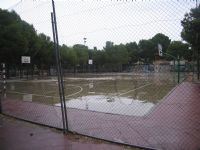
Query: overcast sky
[[104, 20]]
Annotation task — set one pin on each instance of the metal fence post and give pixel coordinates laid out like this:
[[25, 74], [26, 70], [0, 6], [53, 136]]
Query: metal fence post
[[59, 69], [0, 102], [0, 92], [178, 59], [198, 64], [4, 79], [3, 90]]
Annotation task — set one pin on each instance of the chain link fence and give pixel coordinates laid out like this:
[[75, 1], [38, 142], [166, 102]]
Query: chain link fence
[[119, 85]]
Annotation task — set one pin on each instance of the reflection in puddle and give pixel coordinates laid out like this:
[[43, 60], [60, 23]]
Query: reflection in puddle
[[111, 104], [28, 97], [12, 87]]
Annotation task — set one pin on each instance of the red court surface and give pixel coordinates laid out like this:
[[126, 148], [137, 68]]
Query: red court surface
[[173, 124]]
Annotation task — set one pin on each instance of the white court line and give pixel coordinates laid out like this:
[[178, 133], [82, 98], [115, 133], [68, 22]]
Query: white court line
[[134, 89], [81, 89], [30, 93]]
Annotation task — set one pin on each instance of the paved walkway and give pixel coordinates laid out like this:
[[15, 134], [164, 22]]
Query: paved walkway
[[19, 135], [173, 124]]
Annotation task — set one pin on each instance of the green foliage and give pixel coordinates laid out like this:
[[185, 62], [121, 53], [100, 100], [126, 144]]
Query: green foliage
[[115, 55], [69, 56], [147, 50], [191, 27], [14, 37], [177, 48], [99, 57], [18, 38], [44, 53], [109, 44], [191, 30], [161, 39], [82, 54], [133, 52]]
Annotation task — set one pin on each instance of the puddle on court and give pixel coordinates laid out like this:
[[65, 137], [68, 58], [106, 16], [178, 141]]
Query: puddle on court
[[111, 104], [122, 95]]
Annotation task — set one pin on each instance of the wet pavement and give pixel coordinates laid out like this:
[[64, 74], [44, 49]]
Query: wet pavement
[[173, 124], [20, 135]]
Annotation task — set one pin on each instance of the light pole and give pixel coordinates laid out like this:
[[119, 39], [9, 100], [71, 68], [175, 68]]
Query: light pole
[[85, 40]]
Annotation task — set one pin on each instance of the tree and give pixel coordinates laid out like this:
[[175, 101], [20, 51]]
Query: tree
[[191, 33], [44, 53], [161, 39], [133, 52], [99, 59], [69, 56], [147, 50], [177, 48], [191, 28], [12, 36], [18, 38], [115, 56], [122, 54], [82, 55], [109, 44]]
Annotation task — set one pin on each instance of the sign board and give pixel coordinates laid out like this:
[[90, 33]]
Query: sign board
[[160, 52], [90, 61], [26, 59]]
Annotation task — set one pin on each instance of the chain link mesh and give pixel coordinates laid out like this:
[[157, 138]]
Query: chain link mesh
[[115, 89]]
